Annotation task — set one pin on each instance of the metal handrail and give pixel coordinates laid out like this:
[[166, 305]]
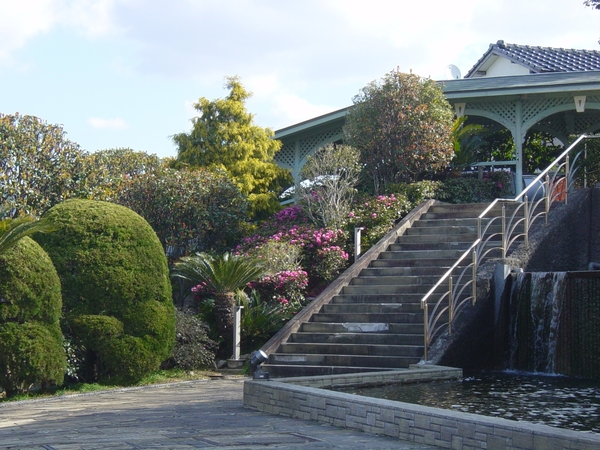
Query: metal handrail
[[525, 214]]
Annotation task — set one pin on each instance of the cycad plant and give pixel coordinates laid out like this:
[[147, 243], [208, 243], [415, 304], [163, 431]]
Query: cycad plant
[[222, 275], [11, 230]]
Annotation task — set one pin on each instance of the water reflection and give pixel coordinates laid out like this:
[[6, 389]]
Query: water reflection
[[551, 400]]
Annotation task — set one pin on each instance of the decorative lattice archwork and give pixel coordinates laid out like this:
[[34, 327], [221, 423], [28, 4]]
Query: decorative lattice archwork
[[285, 156], [504, 109], [310, 145]]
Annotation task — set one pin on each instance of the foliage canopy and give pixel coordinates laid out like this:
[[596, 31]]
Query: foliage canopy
[[39, 166], [224, 136], [190, 210], [402, 126]]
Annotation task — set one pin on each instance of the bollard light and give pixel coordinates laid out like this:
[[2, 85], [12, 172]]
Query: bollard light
[[257, 359]]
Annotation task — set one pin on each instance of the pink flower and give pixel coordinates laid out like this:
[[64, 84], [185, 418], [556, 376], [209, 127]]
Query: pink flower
[[374, 215]]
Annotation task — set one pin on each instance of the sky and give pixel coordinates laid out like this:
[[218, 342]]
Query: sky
[[126, 73]]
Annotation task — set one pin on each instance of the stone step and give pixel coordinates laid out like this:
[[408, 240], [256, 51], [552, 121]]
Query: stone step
[[400, 280], [376, 289], [364, 328], [378, 298], [306, 370], [404, 271], [419, 262], [383, 318], [301, 348], [442, 236], [421, 254], [473, 208], [358, 338], [391, 362], [437, 246], [383, 308]]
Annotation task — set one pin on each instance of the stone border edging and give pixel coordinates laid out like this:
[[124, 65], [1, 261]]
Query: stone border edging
[[416, 423]]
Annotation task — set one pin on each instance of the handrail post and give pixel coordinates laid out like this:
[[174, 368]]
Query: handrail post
[[504, 240], [567, 176], [526, 224], [585, 165], [357, 241], [450, 305], [479, 227], [474, 287], [547, 200], [425, 330]]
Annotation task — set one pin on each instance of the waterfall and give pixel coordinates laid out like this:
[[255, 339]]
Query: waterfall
[[536, 304]]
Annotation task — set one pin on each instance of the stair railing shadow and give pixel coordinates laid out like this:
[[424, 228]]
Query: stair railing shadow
[[552, 185]]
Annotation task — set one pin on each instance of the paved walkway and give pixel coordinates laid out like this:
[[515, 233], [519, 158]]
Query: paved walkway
[[190, 415]]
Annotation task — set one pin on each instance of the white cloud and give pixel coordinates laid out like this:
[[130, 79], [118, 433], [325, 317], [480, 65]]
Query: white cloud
[[113, 124], [20, 21]]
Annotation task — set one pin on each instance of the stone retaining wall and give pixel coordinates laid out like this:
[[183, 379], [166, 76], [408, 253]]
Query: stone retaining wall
[[416, 423]]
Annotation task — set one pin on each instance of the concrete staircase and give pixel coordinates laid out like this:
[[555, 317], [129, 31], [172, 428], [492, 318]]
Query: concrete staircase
[[375, 321]]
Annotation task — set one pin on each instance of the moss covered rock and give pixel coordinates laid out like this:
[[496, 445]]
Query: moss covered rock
[[31, 351], [115, 286]]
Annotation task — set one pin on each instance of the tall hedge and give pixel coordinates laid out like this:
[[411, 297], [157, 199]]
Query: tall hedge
[[31, 351], [115, 287]]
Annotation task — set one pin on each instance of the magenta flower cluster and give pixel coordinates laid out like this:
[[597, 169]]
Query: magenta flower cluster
[[286, 287]]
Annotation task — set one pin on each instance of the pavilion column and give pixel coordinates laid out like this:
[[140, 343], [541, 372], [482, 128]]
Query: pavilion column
[[519, 136], [297, 169]]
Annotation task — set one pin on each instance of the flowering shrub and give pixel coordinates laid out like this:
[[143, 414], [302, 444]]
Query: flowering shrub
[[377, 215], [285, 288], [322, 252], [276, 255]]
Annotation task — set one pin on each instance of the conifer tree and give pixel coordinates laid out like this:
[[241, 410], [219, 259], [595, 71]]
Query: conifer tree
[[224, 136]]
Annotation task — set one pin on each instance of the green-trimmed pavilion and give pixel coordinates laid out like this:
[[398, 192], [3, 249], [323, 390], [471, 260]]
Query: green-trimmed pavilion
[[517, 87]]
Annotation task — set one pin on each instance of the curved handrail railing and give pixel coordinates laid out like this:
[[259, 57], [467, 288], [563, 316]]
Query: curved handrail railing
[[551, 185]]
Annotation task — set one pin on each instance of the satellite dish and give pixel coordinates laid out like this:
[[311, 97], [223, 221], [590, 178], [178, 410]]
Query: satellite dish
[[452, 72]]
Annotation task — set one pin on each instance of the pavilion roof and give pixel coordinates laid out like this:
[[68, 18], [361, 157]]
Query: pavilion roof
[[539, 59]]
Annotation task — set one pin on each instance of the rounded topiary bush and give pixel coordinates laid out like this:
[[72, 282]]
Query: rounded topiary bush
[[115, 286], [31, 351]]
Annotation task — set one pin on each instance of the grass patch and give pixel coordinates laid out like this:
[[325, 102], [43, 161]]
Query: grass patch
[[158, 377]]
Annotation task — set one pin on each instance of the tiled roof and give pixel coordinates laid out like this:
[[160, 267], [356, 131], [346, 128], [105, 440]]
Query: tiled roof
[[542, 59]]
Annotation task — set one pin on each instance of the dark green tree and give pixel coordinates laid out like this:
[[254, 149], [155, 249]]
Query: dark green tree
[[592, 3], [190, 210], [39, 166], [111, 170], [402, 125], [224, 137]]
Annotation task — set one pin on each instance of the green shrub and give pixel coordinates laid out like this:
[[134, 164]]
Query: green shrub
[[31, 349], [193, 348], [191, 211], [473, 190], [115, 286]]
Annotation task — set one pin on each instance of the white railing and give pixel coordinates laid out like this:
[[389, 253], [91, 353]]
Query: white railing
[[551, 185]]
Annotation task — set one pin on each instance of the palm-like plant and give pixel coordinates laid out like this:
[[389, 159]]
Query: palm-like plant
[[223, 275], [11, 230]]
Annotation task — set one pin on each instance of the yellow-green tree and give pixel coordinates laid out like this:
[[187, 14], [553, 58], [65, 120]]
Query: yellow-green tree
[[224, 137]]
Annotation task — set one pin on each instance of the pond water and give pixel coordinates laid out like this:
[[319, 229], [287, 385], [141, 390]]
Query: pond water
[[552, 400]]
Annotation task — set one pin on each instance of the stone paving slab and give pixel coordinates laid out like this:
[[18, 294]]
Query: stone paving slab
[[204, 414]]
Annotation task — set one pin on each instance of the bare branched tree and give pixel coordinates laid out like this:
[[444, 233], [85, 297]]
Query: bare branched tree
[[331, 176]]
